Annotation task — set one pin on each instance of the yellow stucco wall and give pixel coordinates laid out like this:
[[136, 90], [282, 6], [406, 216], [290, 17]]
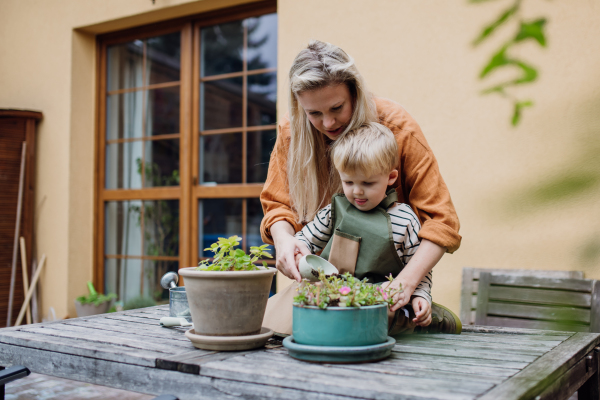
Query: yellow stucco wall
[[419, 54], [416, 53]]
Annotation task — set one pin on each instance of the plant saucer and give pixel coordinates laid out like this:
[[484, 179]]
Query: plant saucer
[[339, 354], [229, 343], [310, 263]]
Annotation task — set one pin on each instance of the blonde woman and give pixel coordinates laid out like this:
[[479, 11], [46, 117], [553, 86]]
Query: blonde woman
[[327, 99]]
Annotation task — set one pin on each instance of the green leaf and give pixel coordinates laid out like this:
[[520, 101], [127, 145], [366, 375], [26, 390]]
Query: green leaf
[[529, 75], [239, 253], [488, 30], [532, 30], [498, 60], [519, 105]]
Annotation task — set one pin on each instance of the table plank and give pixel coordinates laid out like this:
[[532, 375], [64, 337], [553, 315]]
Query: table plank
[[536, 377]]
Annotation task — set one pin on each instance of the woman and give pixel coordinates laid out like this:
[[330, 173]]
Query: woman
[[327, 99]]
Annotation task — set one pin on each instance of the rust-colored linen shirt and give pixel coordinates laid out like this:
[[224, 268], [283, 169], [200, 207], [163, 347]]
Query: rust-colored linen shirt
[[420, 183]]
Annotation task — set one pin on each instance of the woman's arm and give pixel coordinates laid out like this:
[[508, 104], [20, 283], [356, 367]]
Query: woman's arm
[[286, 247]]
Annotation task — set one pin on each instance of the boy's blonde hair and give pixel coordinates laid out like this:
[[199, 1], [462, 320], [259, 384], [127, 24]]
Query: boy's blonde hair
[[370, 150]]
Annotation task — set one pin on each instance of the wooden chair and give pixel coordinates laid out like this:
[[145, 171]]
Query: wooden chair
[[564, 304], [470, 285]]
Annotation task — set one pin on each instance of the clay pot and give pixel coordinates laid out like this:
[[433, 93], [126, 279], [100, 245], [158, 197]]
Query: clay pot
[[230, 303], [85, 310]]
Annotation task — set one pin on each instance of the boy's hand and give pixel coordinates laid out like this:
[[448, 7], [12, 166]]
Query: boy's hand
[[422, 310], [400, 299]]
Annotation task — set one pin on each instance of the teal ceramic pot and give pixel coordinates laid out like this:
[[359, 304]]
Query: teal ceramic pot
[[340, 326]]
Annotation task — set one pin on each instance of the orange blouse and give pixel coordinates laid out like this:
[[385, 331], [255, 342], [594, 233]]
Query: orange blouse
[[420, 183]]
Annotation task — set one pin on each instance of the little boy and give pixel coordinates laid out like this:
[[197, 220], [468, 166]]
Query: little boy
[[366, 232]]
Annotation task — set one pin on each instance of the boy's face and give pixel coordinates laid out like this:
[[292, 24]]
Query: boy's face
[[366, 192]]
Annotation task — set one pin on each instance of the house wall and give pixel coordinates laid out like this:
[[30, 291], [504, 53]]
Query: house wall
[[416, 53]]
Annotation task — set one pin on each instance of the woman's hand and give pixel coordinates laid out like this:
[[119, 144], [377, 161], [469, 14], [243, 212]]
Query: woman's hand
[[287, 247], [422, 310]]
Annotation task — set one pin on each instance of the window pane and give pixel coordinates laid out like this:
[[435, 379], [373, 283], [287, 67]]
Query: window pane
[[162, 163], [124, 116], [260, 145], [162, 116], [262, 98], [123, 277], [153, 271], [222, 48], [123, 231], [164, 59], [124, 65], [161, 228], [123, 161], [221, 158], [221, 104], [262, 42], [254, 216], [217, 218]]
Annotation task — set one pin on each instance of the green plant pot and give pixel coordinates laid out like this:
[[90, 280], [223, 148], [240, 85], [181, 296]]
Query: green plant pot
[[340, 326]]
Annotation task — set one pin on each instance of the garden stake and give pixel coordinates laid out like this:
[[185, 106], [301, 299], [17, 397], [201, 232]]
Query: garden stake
[[25, 277], [13, 272], [34, 281]]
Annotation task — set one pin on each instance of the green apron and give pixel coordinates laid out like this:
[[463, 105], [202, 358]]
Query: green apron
[[371, 232]]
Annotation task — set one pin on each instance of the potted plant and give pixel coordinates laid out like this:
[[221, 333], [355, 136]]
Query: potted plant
[[228, 294], [93, 303], [341, 311]]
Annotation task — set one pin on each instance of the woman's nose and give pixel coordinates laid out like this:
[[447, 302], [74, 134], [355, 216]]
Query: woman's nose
[[328, 122]]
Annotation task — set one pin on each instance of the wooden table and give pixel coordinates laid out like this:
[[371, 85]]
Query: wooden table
[[129, 350]]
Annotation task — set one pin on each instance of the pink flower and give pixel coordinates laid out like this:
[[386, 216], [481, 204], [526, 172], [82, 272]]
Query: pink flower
[[344, 290], [383, 293]]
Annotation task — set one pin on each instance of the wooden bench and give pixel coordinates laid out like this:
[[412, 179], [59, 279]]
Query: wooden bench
[[470, 286], [538, 303]]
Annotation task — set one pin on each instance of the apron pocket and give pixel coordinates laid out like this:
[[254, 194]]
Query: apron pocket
[[344, 251]]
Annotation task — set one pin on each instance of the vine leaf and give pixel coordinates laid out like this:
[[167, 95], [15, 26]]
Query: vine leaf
[[500, 59], [532, 30], [519, 105], [488, 30]]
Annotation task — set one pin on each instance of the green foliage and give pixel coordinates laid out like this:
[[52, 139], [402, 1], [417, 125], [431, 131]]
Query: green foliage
[[139, 302], [501, 59], [229, 258], [343, 291], [94, 298]]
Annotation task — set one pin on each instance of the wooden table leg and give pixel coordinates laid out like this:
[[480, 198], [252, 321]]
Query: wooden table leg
[[590, 390]]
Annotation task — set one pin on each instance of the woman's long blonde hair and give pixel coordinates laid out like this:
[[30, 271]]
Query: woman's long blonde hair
[[311, 176]]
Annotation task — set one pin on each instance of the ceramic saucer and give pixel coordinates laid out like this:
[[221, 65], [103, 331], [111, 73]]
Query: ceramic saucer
[[339, 354], [229, 343]]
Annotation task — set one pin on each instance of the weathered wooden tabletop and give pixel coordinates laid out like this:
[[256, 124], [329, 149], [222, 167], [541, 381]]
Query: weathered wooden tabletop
[[129, 350]]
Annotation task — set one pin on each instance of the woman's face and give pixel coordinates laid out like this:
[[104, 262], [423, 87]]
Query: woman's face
[[329, 109]]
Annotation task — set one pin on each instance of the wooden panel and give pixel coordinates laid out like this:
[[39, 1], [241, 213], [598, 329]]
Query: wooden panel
[[535, 324], [540, 296], [16, 127], [482, 299], [470, 285], [595, 308], [229, 191], [556, 314], [579, 285]]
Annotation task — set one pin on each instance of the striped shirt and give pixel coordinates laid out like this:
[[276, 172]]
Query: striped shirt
[[405, 228]]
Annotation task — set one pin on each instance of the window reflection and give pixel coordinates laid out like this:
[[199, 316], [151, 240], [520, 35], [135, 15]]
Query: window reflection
[[262, 98], [221, 104], [222, 48], [124, 65], [260, 145], [262, 42], [161, 163], [164, 58], [217, 218], [221, 158]]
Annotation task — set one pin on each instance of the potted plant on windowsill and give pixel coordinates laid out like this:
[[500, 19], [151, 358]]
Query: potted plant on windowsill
[[93, 303], [228, 294]]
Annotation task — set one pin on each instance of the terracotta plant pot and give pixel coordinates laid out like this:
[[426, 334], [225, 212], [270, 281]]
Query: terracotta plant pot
[[85, 310], [230, 303]]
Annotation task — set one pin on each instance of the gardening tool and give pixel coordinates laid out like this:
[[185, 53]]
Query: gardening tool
[[34, 281], [310, 265], [178, 303], [25, 276], [13, 271]]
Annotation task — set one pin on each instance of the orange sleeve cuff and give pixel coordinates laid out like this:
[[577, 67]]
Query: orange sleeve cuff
[[440, 234]]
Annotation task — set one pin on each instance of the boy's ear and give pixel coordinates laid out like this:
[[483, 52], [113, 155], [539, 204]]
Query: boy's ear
[[392, 177]]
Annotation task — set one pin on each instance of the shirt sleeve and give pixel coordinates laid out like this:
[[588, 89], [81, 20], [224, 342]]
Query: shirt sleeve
[[316, 234], [405, 232], [420, 183], [275, 197]]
